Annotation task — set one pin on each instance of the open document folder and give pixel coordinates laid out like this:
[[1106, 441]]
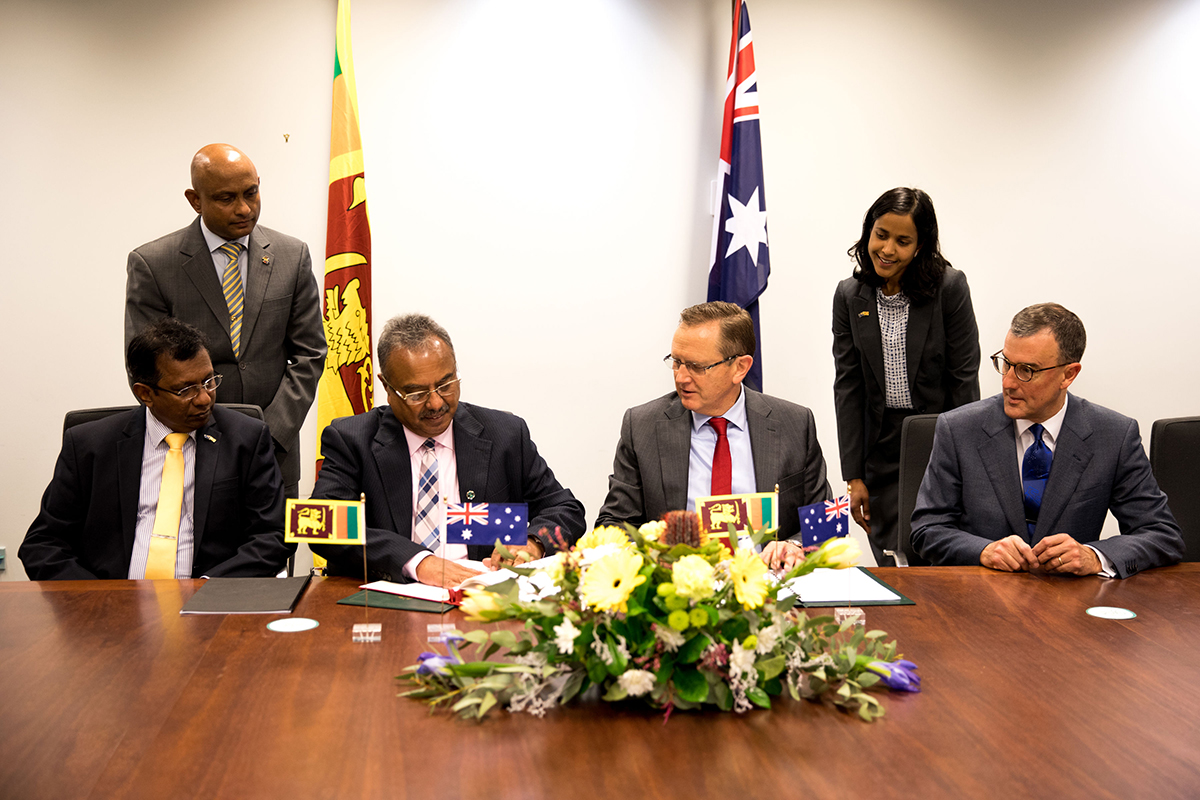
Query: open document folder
[[843, 587]]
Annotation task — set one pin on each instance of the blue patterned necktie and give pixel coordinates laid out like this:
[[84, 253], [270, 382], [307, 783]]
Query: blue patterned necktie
[[1035, 470], [425, 526], [231, 287]]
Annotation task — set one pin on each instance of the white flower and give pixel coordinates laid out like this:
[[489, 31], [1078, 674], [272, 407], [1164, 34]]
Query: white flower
[[652, 531], [671, 638], [741, 661], [593, 554], [636, 682], [564, 636], [768, 637], [537, 586]]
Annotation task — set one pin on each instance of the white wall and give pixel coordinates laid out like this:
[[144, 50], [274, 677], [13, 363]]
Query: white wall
[[538, 175]]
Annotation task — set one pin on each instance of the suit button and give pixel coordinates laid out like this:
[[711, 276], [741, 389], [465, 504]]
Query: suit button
[[242, 365]]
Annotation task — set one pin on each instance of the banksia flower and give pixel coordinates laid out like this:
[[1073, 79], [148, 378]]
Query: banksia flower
[[683, 527]]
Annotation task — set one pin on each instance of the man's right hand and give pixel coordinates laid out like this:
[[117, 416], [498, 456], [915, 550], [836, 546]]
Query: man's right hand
[[440, 572], [860, 503], [1010, 554]]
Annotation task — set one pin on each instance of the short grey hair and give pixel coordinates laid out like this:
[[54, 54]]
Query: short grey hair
[[409, 332], [1066, 328]]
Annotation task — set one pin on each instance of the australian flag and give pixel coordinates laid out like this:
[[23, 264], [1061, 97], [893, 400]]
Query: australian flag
[[487, 523], [740, 261], [825, 520]]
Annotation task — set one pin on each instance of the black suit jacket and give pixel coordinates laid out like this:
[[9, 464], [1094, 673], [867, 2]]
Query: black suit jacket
[[971, 495], [88, 518], [650, 469], [283, 339], [941, 354], [497, 460]]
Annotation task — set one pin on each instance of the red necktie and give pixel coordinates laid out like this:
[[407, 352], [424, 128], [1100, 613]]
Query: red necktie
[[722, 463]]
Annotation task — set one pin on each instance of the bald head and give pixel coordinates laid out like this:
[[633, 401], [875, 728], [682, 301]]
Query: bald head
[[224, 190]]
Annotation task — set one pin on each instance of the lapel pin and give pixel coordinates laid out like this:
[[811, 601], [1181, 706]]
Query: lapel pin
[[470, 495], [864, 313], [210, 437], [266, 260]]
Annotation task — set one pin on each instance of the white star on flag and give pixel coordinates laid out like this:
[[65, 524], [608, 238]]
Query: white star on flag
[[748, 226]]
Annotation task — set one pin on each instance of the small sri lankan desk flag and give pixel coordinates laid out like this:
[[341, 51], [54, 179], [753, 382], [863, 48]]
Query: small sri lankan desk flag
[[347, 386], [326, 521], [721, 514]]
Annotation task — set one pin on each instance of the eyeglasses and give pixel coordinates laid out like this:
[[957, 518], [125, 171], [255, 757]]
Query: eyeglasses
[[192, 391], [1024, 372], [446, 390], [695, 369]]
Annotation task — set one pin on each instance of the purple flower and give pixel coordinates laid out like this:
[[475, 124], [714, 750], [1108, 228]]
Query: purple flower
[[899, 676], [428, 663]]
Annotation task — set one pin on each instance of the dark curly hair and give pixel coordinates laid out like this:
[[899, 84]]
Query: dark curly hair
[[924, 275]]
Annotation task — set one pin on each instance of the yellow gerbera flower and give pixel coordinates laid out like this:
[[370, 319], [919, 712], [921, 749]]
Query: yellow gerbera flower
[[747, 571], [607, 534], [607, 584]]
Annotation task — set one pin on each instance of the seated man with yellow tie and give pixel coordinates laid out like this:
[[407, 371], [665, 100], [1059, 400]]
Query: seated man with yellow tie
[[176, 488], [714, 436]]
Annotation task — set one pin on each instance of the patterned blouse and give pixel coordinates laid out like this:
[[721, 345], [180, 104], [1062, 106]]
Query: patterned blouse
[[893, 327]]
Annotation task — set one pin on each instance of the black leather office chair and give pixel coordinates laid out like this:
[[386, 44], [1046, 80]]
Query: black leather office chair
[[1175, 459], [916, 443], [83, 415]]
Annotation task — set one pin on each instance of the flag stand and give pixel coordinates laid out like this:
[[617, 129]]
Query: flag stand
[[436, 631], [366, 631]]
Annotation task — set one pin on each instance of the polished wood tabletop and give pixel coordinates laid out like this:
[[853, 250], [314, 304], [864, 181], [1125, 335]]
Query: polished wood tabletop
[[108, 692]]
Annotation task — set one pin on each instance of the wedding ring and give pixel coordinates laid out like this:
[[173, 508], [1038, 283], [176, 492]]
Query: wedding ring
[[1060, 561]]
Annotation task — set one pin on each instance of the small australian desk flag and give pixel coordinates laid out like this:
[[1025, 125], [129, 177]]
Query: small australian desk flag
[[487, 523], [825, 520]]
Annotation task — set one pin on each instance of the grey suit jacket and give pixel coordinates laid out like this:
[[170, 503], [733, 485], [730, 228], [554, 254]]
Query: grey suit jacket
[[941, 355], [367, 453], [283, 338], [650, 471], [88, 520], [972, 494]]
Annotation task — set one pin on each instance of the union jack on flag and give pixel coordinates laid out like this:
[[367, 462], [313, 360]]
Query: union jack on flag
[[837, 507], [487, 523], [825, 520], [740, 263]]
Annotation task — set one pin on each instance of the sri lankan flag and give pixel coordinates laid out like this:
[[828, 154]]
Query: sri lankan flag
[[735, 513], [346, 386], [326, 521]]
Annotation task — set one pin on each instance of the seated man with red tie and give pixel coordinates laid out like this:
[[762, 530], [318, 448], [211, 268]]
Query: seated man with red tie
[[714, 436], [176, 488]]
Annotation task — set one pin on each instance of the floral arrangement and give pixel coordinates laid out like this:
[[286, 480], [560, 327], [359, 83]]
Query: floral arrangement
[[664, 613]]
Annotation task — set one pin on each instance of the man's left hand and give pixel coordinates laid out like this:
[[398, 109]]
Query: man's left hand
[[782, 556], [530, 551], [1061, 554]]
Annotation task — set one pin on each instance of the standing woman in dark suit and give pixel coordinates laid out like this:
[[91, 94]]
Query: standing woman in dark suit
[[904, 342]]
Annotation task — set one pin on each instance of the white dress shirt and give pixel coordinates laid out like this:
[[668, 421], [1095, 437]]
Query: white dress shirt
[[220, 260], [704, 444], [447, 462], [154, 454]]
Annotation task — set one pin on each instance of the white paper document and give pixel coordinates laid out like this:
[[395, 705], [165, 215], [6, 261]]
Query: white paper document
[[839, 586], [437, 594]]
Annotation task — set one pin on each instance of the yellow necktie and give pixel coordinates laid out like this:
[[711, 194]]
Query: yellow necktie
[[231, 285], [161, 563]]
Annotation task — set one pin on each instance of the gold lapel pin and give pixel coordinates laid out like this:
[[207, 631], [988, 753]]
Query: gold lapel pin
[[470, 495], [210, 437], [864, 313], [266, 260]]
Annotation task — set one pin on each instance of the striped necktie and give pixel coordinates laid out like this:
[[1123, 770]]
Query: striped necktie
[[160, 564], [425, 526], [231, 285], [1035, 471]]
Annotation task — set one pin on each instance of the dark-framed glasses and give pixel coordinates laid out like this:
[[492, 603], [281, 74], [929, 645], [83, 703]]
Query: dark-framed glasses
[[445, 390], [1024, 372], [695, 369], [190, 392]]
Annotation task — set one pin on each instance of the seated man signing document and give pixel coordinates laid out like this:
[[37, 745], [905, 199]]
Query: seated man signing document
[[465, 453], [1022, 481]]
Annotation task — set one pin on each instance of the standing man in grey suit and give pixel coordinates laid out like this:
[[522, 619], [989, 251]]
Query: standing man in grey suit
[[425, 446], [671, 447], [249, 289], [1022, 481]]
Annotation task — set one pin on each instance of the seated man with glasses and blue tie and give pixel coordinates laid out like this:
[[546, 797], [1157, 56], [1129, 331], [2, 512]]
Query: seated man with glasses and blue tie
[[1022, 481], [714, 436], [176, 488], [426, 448]]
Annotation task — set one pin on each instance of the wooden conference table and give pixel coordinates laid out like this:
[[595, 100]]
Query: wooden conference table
[[106, 691]]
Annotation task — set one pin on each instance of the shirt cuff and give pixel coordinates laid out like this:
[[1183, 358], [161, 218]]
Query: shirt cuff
[[410, 569], [1106, 566]]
